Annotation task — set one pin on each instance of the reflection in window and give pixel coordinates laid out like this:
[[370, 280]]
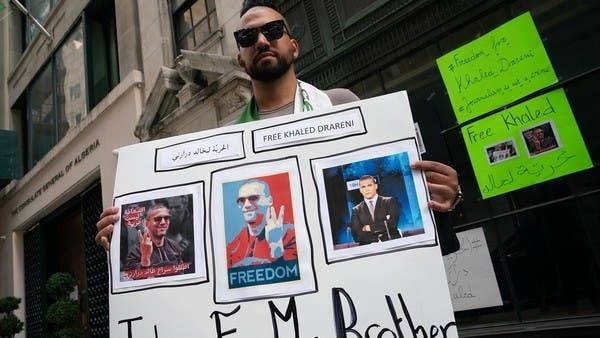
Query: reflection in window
[[70, 81], [39, 9], [194, 22], [41, 116]]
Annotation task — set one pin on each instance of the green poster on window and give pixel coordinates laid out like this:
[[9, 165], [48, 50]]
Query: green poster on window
[[532, 142], [500, 67]]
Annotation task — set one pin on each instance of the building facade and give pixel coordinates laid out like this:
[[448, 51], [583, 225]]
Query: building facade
[[117, 72]]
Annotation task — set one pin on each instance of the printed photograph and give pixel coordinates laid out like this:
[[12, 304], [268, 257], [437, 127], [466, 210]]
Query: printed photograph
[[541, 138], [370, 204], [501, 152], [261, 243], [259, 231], [158, 237]]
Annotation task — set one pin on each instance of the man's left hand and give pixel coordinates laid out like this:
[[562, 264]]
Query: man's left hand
[[274, 231], [442, 182]]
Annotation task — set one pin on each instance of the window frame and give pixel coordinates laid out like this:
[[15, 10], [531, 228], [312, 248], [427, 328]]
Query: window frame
[[30, 161], [185, 6]]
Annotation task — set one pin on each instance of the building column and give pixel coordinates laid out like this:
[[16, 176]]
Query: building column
[[128, 37]]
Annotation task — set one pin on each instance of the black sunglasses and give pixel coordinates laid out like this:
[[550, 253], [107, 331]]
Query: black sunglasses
[[273, 30], [252, 198], [158, 219]]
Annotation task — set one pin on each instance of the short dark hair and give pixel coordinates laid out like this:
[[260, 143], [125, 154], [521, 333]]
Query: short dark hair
[[257, 3], [367, 177], [155, 204]]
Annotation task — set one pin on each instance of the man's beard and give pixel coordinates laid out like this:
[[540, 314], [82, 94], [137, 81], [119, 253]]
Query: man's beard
[[269, 72]]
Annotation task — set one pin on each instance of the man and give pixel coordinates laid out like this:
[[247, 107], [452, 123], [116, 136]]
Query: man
[[543, 142], [154, 249], [267, 52], [181, 230], [376, 217], [264, 238]]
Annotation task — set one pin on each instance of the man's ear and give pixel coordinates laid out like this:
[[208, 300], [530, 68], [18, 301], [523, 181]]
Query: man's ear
[[270, 200], [295, 48], [240, 61]]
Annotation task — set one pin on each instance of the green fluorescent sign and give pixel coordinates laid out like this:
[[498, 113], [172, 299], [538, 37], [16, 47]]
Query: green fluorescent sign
[[500, 67], [532, 142]]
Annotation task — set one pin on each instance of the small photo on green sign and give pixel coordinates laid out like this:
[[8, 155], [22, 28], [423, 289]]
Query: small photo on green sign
[[533, 142], [500, 67]]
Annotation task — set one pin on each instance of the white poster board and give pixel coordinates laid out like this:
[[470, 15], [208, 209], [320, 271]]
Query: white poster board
[[471, 278], [303, 274]]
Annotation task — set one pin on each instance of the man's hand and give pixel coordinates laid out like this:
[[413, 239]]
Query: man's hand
[[274, 231], [366, 228], [145, 248], [442, 182], [105, 226]]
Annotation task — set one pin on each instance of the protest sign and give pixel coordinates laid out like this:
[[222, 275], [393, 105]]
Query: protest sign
[[471, 277], [535, 141], [279, 248], [500, 67]]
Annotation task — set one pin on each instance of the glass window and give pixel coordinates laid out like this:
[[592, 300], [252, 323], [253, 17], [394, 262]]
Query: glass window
[[101, 47], [193, 22], [60, 96], [39, 9], [41, 116], [198, 11], [348, 8], [544, 238], [70, 82]]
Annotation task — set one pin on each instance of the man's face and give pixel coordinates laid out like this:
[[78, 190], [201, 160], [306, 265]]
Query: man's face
[[158, 221], [177, 208], [539, 134], [368, 188], [254, 205], [266, 60]]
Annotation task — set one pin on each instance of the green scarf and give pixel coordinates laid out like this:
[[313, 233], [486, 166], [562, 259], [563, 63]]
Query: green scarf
[[250, 113]]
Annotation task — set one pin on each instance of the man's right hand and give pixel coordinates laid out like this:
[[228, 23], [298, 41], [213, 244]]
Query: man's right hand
[[105, 226], [366, 228], [145, 248]]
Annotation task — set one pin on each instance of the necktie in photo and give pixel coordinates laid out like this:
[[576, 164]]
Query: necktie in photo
[[372, 209]]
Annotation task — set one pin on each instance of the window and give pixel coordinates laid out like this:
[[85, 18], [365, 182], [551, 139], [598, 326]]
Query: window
[[54, 103], [59, 97], [347, 8], [71, 105], [41, 119], [101, 46], [543, 239], [39, 9], [193, 21]]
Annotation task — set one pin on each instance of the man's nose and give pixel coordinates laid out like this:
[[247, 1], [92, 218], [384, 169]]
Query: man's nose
[[262, 41]]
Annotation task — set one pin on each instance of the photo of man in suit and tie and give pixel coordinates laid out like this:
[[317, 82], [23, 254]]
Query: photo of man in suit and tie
[[374, 219]]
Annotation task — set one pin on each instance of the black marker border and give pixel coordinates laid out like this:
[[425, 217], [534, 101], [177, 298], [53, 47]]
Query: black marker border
[[302, 143], [310, 242], [312, 170], [241, 157], [143, 288]]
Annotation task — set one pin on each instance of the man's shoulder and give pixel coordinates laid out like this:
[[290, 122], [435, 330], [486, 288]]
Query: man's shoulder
[[359, 205], [340, 96], [388, 199], [171, 243]]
